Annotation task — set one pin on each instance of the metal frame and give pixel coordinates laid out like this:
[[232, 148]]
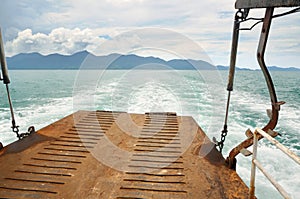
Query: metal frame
[[5, 76], [244, 7], [275, 105], [256, 163], [242, 4]]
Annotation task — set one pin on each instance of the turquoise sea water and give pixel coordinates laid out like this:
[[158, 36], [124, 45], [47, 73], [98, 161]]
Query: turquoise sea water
[[42, 97]]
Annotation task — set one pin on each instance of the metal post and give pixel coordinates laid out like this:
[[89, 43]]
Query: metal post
[[234, 47], [3, 62], [272, 180], [253, 167], [6, 81]]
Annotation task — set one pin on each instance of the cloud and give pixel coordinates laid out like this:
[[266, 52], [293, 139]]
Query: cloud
[[199, 20], [209, 23], [60, 40], [45, 15], [17, 15], [158, 42]]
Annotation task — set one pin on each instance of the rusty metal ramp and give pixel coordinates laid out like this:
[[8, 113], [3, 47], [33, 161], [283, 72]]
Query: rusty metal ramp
[[117, 155]]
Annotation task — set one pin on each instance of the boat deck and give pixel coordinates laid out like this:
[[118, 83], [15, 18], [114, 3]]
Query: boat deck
[[99, 154]]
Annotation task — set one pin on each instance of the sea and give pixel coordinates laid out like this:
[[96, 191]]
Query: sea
[[41, 97]]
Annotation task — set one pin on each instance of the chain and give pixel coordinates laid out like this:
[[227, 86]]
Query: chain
[[223, 137], [30, 130], [15, 128]]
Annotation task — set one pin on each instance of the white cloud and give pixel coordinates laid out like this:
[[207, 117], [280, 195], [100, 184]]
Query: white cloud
[[60, 40], [194, 19], [209, 23], [158, 42]]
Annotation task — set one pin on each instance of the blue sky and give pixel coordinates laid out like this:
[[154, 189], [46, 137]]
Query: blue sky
[[69, 26]]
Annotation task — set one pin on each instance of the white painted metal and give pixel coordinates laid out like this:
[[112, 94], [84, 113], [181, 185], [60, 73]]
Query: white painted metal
[[272, 180], [256, 163], [292, 155], [253, 167]]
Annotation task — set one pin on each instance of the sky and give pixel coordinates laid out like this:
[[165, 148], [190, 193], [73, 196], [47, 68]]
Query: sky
[[167, 29]]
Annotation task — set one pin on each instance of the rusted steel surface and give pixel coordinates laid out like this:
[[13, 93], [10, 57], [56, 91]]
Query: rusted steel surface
[[117, 155], [240, 4]]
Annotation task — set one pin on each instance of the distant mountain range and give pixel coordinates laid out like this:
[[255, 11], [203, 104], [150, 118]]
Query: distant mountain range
[[86, 60]]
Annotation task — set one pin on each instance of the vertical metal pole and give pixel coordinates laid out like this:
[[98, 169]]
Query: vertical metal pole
[[253, 167], [3, 62], [6, 81], [234, 47]]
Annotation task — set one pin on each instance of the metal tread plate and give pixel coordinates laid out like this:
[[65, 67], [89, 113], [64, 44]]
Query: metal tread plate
[[160, 159]]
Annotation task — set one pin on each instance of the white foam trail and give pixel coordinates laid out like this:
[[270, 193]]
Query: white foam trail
[[37, 115]]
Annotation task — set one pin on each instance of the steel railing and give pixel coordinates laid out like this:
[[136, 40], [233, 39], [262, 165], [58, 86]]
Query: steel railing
[[256, 163]]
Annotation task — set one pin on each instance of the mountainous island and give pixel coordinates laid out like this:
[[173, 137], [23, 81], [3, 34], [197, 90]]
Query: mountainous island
[[86, 60]]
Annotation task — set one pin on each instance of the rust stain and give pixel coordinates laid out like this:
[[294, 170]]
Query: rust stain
[[59, 160]]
